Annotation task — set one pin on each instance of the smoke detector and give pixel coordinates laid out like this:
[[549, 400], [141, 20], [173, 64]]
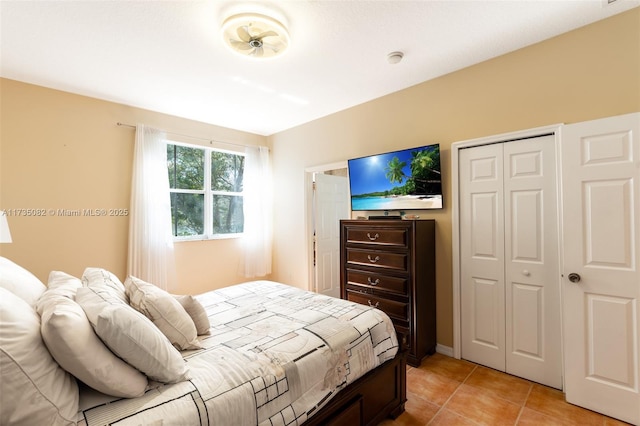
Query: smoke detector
[[255, 35], [394, 57]]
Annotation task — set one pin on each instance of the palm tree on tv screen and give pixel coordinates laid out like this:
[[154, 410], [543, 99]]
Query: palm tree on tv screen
[[425, 171], [394, 170]]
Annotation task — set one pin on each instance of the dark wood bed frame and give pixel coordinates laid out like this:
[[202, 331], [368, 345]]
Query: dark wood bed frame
[[379, 394]]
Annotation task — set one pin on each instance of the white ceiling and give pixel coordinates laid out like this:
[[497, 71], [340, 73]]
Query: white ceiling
[[168, 56]]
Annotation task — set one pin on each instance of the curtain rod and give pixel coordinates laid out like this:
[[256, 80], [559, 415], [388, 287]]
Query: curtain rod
[[211, 141]]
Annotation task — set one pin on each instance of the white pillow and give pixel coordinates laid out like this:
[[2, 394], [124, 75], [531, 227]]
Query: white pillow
[[103, 278], [197, 313], [131, 335], [20, 282], [60, 285], [75, 346], [164, 311], [34, 389]]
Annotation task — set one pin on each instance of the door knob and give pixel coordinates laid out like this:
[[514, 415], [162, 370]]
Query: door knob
[[574, 278]]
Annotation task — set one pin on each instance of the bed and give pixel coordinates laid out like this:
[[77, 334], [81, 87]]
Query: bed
[[272, 355]]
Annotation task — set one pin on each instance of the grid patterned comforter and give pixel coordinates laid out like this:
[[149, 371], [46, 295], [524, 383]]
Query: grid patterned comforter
[[276, 354]]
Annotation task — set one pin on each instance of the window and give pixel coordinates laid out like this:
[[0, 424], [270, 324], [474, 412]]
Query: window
[[206, 188]]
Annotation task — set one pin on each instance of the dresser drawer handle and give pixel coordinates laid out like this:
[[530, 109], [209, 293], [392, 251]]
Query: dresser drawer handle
[[375, 237], [373, 259], [376, 282], [372, 305]]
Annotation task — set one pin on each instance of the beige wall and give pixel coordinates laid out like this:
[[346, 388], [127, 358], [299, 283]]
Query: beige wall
[[64, 151], [585, 74]]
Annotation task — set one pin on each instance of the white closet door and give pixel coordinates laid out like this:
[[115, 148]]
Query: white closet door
[[510, 296], [532, 277], [482, 255], [601, 227]]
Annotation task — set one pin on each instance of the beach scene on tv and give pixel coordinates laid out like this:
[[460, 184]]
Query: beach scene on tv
[[400, 180]]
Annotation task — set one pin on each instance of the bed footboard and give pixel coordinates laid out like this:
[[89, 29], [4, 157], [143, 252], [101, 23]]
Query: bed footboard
[[379, 394]]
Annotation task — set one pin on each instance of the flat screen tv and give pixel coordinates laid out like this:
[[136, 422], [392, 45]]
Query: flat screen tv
[[400, 180]]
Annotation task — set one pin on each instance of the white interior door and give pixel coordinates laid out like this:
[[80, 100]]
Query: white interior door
[[331, 204], [510, 295], [601, 240]]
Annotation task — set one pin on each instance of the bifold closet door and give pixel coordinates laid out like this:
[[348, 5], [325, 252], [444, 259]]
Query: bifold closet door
[[482, 255], [532, 267], [509, 258]]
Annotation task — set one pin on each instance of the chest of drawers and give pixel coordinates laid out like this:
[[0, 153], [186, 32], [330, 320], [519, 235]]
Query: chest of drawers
[[390, 264]]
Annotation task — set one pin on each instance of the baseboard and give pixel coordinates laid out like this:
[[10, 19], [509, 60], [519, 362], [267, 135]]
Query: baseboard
[[444, 350]]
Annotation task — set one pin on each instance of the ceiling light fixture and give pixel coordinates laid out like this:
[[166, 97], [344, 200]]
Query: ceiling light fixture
[[255, 35], [394, 57]]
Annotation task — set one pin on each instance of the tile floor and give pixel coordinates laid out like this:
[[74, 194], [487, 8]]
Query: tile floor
[[448, 391]]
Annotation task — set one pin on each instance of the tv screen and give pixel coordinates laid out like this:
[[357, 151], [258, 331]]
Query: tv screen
[[400, 180]]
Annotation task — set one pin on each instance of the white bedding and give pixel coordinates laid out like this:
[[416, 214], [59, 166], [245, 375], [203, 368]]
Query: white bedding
[[276, 354]]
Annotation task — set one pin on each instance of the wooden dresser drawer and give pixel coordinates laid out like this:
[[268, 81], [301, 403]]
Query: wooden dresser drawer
[[370, 280], [378, 259], [397, 310], [390, 237]]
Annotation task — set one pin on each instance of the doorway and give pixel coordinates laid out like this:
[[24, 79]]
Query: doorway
[[327, 197]]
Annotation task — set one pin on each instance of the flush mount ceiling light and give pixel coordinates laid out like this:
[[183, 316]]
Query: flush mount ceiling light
[[255, 35]]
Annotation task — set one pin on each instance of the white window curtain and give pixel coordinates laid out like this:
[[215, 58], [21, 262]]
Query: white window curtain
[[151, 255], [258, 227]]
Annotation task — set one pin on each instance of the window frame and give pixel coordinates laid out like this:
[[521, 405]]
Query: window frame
[[208, 195]]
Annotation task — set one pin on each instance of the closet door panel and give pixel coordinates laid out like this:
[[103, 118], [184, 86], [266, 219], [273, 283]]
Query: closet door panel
[[528, 321], [526, 223], [482, 254], [533, 340], [486, 313]]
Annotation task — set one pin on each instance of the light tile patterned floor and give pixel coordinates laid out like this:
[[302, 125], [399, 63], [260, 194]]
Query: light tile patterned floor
[[448, 391]]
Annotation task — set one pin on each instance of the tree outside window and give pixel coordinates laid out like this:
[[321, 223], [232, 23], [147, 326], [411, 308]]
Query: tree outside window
[[206, 188]]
